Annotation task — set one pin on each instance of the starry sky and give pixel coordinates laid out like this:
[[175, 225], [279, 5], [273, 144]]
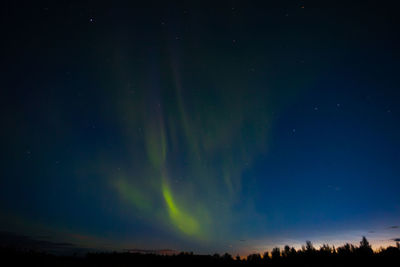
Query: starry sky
[[196, 126]]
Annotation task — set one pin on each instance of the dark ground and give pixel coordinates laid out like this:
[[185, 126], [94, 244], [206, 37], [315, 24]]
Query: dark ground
[[347, 255]]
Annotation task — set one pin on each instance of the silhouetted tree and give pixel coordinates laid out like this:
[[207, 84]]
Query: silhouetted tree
[[227, 257], [365, 247], [276, 253], [286, 251], [254, 258], [325, 250], [309, 246], [346, 250], [266, 257]]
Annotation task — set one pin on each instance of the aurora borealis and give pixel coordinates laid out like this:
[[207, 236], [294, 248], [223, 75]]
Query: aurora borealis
[[234, 127]]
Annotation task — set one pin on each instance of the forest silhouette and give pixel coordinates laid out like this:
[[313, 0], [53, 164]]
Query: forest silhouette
[[308, 255]]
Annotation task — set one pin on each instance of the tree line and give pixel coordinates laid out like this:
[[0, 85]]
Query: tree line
[[308, 255]]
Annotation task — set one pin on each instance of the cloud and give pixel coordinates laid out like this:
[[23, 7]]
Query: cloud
[[396, 239], [394, 227], [151, 251], [17, 241]]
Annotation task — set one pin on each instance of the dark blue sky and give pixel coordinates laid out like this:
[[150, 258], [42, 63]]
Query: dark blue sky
[[198, 127]]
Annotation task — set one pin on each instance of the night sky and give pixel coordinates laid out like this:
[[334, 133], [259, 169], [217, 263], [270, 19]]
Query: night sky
[[230, 127]]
